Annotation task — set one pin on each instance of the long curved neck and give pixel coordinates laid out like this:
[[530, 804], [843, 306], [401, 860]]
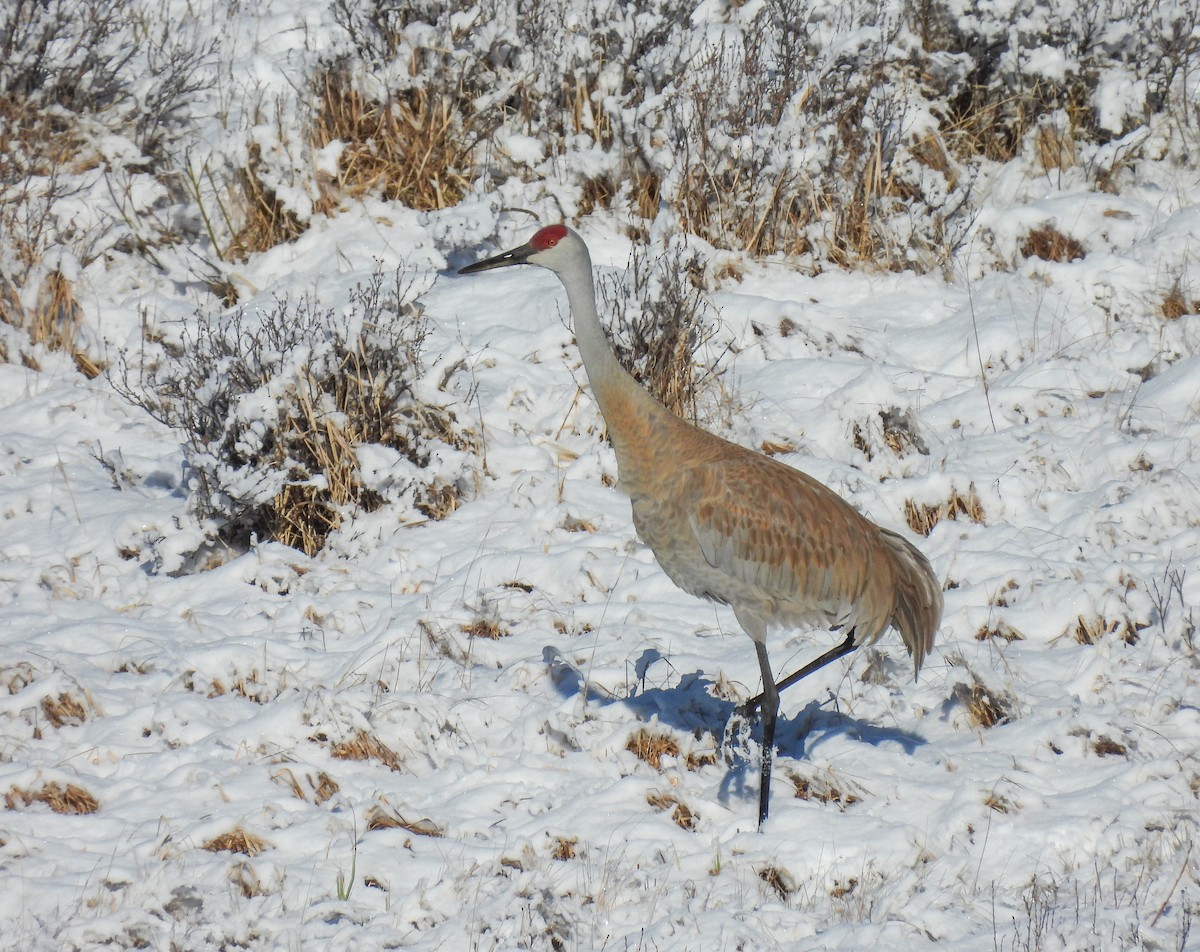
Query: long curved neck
[[634, 418]]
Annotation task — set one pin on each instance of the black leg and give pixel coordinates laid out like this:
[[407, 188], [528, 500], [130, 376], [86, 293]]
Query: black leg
[[831, 655], [769, 703]]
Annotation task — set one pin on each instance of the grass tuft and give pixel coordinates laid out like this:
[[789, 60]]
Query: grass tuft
[[237, 840], [681, 813], [70, 799], [362, 746], [1050, 244], [922, 518], [651, 747]]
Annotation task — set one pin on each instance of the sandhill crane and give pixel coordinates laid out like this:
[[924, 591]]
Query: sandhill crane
[[737, 527]]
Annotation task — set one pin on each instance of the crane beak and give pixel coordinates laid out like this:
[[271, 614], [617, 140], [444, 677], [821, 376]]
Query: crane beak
[[516, 256]]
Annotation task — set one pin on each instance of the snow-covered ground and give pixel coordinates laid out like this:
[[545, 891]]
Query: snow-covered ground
[[494, 803]]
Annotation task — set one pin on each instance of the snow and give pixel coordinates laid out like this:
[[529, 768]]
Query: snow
[[211, 701]]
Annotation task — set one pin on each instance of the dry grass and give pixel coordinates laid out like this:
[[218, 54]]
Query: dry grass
[[489, 628], [362, 746], [1105, 746], [1091, 630], [652, 748], [985, 707], [54, 322], [383, 817], [565, 848], [663, 319], [780, 880], [1055, 148], [316, 789], [1050, 244], [327, 443], [1175, 304], [825, 789], [681, 813], [66, 710], [999, 630], [237, 840], [265, 220], [922, 518], [250, 687], [414, 148], [70, 799]]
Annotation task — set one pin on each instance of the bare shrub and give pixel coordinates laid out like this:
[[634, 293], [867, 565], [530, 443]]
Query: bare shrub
[[276, 406], [662, 320]]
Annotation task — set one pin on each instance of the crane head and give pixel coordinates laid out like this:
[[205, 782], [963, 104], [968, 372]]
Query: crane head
[[535, 251]]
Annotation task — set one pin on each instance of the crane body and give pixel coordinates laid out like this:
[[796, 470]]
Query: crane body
[[734, 526]]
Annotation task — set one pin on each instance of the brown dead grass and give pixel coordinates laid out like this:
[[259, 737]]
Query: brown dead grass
[[1105, 746], [489, 628], [780, 880], [681, 813], [414, 148], [922, 518], [825, 789], [1050, 244], [70, 799], [316, 789], [237, 840], [652, 748], [1175, 304], [265, 220], [55, 321], [565, 848], [999, 631], [66, 710], [362, 746], [985, 707], [1091, 630], [383, 817]]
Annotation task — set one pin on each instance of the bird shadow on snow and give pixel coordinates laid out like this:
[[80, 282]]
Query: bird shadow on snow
[[691, 706]]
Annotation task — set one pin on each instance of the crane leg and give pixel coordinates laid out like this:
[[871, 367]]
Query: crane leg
[[769, 704], [831, 655]]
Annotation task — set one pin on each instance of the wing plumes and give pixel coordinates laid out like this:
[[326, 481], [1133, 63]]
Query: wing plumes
[[918, 607]]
